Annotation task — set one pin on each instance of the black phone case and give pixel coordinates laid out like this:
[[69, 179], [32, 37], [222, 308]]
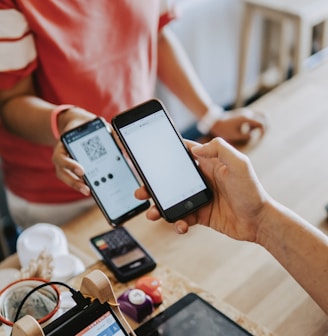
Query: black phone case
[[138, 112], [130, 273], [113, 222]]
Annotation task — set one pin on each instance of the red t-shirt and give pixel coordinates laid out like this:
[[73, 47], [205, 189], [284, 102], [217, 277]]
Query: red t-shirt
[[100, 55]]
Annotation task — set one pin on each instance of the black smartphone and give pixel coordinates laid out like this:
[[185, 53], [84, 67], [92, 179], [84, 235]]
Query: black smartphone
[[164, 163], [123, 254], [107, 172], [192, 316]]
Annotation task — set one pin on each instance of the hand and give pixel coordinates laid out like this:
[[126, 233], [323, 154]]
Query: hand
[[238, 125], [67, 169], [239, 199]]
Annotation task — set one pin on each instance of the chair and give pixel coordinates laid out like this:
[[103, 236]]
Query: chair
[[302, 18], [8, 229]]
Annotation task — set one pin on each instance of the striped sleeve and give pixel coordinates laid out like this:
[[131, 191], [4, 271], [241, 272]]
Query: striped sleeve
[[169, 12], [17, 48]]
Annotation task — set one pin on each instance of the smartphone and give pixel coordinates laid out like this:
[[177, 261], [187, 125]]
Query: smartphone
[[164, 163], [123, 254], [90, 319], [192, 316], [107, 172]]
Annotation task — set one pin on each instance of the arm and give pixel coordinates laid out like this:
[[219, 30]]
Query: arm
[[300, 248], [28, 116], [177, 73], [243, 210]]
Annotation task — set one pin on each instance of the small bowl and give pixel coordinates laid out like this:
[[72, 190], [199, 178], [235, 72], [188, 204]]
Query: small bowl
[[66, 266], [46, 300], [40, 237]]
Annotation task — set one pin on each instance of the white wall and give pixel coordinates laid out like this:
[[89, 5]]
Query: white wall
[[209, 30]]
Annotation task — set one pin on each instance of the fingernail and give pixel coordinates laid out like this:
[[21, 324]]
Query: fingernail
[[84, 190], [245, 128], [196, 149], [180, 228], [78, 172]]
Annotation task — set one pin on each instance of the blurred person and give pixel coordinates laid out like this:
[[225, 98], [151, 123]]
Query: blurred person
[[63, 63]]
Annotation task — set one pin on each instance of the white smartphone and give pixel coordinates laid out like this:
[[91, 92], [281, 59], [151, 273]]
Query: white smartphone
[[107, 173], [164, 163]]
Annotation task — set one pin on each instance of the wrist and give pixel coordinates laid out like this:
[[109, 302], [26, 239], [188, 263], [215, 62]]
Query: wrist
[[207, 121], [55, 116], [266, 223]]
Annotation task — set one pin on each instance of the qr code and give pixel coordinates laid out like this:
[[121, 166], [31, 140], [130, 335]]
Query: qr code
[[94, 148]]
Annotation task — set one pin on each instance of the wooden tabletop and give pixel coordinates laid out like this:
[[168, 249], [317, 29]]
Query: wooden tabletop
[[292, 163]]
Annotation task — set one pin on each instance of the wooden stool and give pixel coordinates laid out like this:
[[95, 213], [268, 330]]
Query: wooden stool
[[302, 16]]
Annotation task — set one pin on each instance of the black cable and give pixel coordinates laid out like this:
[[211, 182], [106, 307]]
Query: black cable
[[76, 295]]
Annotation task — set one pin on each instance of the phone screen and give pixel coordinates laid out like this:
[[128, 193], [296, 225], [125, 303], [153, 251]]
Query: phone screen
[[163, 160], [95, 319], [192, 316], [106, 171], [104, 325]]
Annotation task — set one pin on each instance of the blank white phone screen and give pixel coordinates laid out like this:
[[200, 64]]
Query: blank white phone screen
[[163, 159]]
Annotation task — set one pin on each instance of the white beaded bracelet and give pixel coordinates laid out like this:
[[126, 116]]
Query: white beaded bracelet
[[213, 114]]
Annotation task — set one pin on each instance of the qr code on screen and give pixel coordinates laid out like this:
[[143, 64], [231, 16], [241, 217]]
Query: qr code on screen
[[94, 148]]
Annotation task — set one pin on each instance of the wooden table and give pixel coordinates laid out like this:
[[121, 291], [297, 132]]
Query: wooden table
[[291, 162]]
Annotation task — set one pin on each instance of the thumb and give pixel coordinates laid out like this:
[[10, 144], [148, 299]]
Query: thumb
[[208, 150], [217, 149]]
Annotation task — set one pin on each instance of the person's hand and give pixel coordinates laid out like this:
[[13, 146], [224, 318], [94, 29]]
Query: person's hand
[[68, 170], [239, 199], [237, 126]]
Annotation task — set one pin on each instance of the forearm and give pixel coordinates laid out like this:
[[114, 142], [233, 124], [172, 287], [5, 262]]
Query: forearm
[[300, 248], [29, 117], [178, 75]]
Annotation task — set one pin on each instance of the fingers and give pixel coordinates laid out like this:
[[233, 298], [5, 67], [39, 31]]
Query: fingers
[[256, 120], [153, 214], [181, 227], [190, 144], [68, 170], [209, 150], [141, 193]]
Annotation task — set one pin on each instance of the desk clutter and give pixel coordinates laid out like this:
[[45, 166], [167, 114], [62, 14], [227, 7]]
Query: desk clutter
[[173, 286], [43, 251], [98, 311]]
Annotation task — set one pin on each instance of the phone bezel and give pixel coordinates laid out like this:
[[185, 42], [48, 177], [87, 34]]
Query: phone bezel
[[180, 209], [126, 216]]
